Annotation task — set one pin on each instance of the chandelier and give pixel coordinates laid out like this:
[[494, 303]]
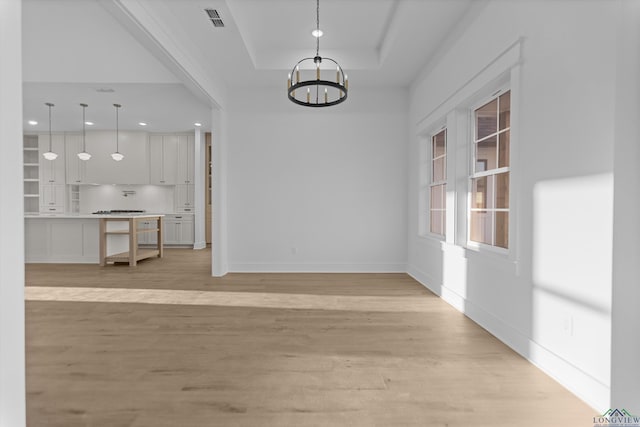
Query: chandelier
[[319, 92]]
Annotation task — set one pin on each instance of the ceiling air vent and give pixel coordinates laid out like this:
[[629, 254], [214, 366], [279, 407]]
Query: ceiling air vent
[[214, 16]]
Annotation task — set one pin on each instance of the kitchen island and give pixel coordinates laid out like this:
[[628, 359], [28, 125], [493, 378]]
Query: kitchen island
[[80, 238], [133, 254]]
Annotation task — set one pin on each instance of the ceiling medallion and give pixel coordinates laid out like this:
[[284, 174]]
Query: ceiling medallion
[[319, 92]]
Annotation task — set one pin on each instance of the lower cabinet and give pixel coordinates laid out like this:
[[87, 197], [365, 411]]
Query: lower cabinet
[[178, 230], [151, 237], [61, 240]]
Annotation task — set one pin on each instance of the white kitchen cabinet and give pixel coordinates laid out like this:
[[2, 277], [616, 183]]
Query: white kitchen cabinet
[[52, 171], [76, 168], [52, 198], [184, 196], [163, 153], [186, 158], [102, 169], [61, 240], [148, 238], [178, 230]]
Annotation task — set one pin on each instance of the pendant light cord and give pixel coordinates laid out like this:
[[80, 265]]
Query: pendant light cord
[[117, 135]]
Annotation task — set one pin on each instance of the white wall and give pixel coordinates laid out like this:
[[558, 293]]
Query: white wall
[[219, 194], [313, 189], [12, 364], [550, 298]]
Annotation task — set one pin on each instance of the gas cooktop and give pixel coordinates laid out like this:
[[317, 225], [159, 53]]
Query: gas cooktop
[[117, 211]]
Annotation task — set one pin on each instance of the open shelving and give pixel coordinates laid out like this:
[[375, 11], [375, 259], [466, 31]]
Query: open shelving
[[31, 172]]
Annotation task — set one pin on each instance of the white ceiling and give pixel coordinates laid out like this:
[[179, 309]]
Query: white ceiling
[[164, 107], [72, 47]]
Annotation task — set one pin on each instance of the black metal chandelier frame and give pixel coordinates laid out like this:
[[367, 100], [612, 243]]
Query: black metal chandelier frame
[[341, 82]]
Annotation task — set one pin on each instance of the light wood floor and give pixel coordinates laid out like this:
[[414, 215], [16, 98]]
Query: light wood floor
[[267, 350]]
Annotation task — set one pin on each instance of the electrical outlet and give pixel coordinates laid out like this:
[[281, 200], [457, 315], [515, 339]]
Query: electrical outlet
[[567, 325]]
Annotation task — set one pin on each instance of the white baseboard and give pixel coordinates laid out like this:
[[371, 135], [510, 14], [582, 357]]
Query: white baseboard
[[317, 268], [199, 245], [590, 390], [57, 259]]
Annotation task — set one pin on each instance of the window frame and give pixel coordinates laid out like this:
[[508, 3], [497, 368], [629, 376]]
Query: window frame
[[472, 174], [425, 174], [433, 183]]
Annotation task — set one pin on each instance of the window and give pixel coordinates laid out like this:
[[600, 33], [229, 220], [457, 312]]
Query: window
[[438, 183], [489, 204]]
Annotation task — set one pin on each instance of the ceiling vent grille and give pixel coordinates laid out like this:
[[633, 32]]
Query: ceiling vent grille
[[215, 18]]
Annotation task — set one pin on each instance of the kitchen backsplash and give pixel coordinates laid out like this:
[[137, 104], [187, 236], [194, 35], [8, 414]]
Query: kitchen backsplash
[[150, 198]]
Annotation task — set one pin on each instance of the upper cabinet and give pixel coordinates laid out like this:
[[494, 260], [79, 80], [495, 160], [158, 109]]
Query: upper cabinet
[[186, 158], [102, 169], [76, 168], [163, 159], [51, 171]]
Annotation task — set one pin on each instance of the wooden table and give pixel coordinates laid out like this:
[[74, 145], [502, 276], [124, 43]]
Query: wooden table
[[134, 254]]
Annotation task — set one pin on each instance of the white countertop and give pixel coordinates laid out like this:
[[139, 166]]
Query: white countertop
[[94, 216]]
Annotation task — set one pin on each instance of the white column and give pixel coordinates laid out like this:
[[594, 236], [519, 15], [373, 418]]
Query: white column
[[12, 367], [199, 186], [219, 262], [625, 316]]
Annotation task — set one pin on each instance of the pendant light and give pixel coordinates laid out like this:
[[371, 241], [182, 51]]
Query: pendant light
[[49, 155], [117, 156], [84, 155], [320, 92]]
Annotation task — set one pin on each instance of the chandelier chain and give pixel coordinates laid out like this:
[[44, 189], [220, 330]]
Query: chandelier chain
[[318, 27]]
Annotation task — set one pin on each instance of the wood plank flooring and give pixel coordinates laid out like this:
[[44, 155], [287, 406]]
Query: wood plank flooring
[[116, 346]]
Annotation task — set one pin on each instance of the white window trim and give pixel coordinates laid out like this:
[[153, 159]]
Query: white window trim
[[471, 141], [426, 174], [436, 183], [504, 69], [511, 84]]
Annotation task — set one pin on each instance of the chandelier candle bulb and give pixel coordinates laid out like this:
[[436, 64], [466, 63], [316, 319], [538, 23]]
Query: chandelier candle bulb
[[337, 74], [317, 71], [346, 82], [308, 95], [297, 74], [325, 95], [289, 81]]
